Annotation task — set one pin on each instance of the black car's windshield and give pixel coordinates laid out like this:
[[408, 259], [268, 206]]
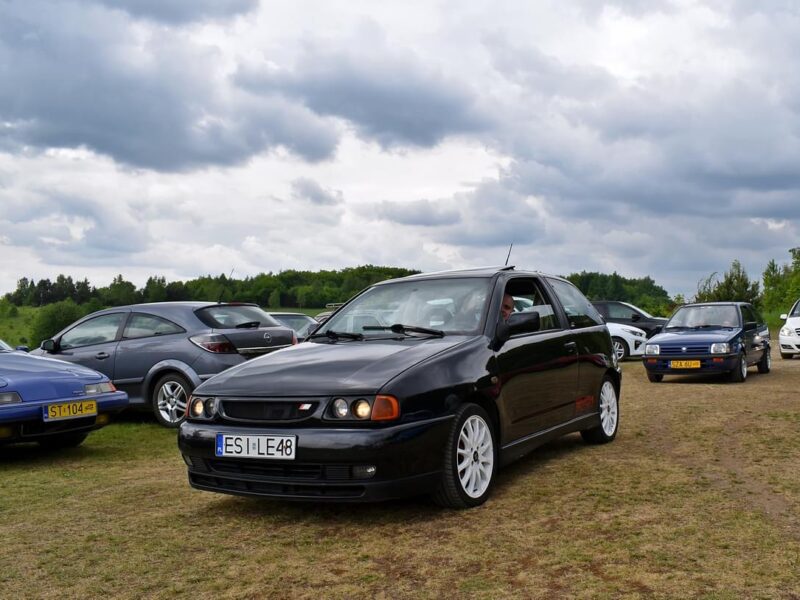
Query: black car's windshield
[[5, 347], [699, 317], [446, 305], [231, 316]]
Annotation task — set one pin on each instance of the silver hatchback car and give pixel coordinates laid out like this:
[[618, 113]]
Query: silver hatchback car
[[158, 353]]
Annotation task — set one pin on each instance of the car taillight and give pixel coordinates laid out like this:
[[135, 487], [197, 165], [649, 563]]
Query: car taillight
[[214, 342]]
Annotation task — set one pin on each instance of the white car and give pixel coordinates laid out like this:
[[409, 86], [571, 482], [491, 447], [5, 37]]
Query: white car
[[789, 336], [628, 340]]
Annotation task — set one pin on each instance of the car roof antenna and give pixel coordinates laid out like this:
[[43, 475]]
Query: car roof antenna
[[222, 291], [509, 253]]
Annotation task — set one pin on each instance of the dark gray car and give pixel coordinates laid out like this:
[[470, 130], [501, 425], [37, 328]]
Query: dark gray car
[[158, 353]]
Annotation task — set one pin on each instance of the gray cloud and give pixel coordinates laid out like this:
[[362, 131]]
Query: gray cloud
[[181, 11], [425, 213], [311, 191]]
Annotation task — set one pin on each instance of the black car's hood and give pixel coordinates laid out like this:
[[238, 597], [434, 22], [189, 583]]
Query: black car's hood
[[683, 336], [321, 369]]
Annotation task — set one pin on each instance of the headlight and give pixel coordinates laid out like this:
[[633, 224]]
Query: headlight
[[9, 398], [99, 388], [362, 409], [340, 408], [786, 331], [382, 408], [633, 332], [201, 408], [652, 349], [720, 348]]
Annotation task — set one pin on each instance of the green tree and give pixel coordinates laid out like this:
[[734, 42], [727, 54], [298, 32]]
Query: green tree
[[735, 286], [53, 318], [275, 298]]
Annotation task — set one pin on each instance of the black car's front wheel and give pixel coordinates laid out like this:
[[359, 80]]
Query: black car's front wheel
[[739, 374], [170, 395], [765, 364], [470, 460], [608, 405]]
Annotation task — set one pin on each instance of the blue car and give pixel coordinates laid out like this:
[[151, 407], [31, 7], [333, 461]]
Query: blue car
[[712, 337], [52, 402]]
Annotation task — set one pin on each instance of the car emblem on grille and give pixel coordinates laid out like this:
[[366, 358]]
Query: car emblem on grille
[[305, 406], [683, 349], [267, 338]]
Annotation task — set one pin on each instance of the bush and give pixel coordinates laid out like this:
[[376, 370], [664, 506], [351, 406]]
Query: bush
[[53, 318]]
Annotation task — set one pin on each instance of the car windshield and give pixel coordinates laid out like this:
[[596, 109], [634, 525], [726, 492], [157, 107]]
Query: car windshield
[[795, 310], [447, 305], [704, 316], [230, 316], [299, 323], [637, 309], [5, 347]]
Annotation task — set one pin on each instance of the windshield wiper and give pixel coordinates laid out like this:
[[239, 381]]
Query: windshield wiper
[[404, 329], [249, 325], [335, 335]]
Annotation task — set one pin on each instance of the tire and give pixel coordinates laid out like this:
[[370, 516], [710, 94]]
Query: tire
[[655, 377], [620, 348], [471, 437], [170, 395], [63, 440], [608, 403], [739, 374], [765, 364]]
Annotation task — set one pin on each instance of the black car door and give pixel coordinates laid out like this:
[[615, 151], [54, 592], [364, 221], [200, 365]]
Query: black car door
[[538, 371], [93, 343]]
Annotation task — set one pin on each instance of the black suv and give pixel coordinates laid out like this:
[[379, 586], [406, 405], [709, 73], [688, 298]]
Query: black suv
[[425, 384], [160, 352], [614, 311]]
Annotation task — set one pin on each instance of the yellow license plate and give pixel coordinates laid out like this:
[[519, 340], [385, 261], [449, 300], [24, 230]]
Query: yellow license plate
[[70, 410], [684, 364]]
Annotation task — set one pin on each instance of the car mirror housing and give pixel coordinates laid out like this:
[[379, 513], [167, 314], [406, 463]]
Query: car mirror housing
[[784, 316], [49, 345], [22, 348], [524, 322], [750, 325], [636, 317]]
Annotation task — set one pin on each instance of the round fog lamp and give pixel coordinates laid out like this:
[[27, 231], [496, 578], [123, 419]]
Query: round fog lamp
[[361, 409], [197, 407], [340, 408]]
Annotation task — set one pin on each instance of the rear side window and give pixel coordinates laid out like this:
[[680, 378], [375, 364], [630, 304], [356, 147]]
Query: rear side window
[[530, 297], [226, 316], [141, 325], [619, 311], [580, 312], [94, 331]]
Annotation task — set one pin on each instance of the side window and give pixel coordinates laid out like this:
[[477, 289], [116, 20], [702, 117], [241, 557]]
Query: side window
[[94, 331], [529, 296], [619, 311], [141, 325], [601, 307], [749, 315], [580, 311]]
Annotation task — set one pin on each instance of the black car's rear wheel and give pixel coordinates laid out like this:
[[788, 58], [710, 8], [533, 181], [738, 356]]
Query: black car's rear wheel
[[765, 364], [739, 374], [170, 395], [470, 460], [63, 440], [608, 404], [655, 377]]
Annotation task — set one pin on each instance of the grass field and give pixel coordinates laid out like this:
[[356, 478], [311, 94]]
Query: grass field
[[699, 496]]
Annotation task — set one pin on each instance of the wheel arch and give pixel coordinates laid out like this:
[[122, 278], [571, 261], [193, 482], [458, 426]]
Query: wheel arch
[[166, 367]]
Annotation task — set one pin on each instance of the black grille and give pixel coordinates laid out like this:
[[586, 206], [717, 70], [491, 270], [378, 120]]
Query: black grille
[[797, 331], [263, 410], [678, 350], [267, 488], [42, 427], [280, 471]]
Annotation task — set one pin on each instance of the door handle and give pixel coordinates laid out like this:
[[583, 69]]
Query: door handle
[[571, 346], [102, 355]]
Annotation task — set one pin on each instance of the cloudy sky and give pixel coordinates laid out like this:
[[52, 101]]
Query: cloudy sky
[[181, 138]]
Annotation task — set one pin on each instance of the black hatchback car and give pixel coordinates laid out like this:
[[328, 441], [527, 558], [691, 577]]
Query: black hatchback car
[[623, 313], [158, 353], [425, 384], [712, 337]]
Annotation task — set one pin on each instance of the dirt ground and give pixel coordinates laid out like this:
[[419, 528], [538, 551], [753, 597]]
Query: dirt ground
[[698, 496]]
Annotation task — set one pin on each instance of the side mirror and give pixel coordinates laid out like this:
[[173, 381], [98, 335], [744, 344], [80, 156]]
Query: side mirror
[[49, 346], [636, 317], [516, 323], [784, 316], [22, 348]]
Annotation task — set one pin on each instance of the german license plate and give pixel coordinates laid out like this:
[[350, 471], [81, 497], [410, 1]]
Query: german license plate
[[256, 446], [684, 364], [69, 410]]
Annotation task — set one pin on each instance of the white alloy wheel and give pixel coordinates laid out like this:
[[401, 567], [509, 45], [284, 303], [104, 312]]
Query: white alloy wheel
[[619, 349], [743, 367], [171, 402], [475, 456], [769, 359], [608, 408]]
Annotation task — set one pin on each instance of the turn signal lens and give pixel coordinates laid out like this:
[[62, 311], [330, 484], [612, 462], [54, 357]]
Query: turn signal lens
[[99, 388], [9, 398], [385, 408]]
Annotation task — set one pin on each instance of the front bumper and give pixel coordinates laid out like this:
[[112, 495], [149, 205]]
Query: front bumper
[[23, 422], [789, 344], [636, 346], [408, 459], [709, 363]]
